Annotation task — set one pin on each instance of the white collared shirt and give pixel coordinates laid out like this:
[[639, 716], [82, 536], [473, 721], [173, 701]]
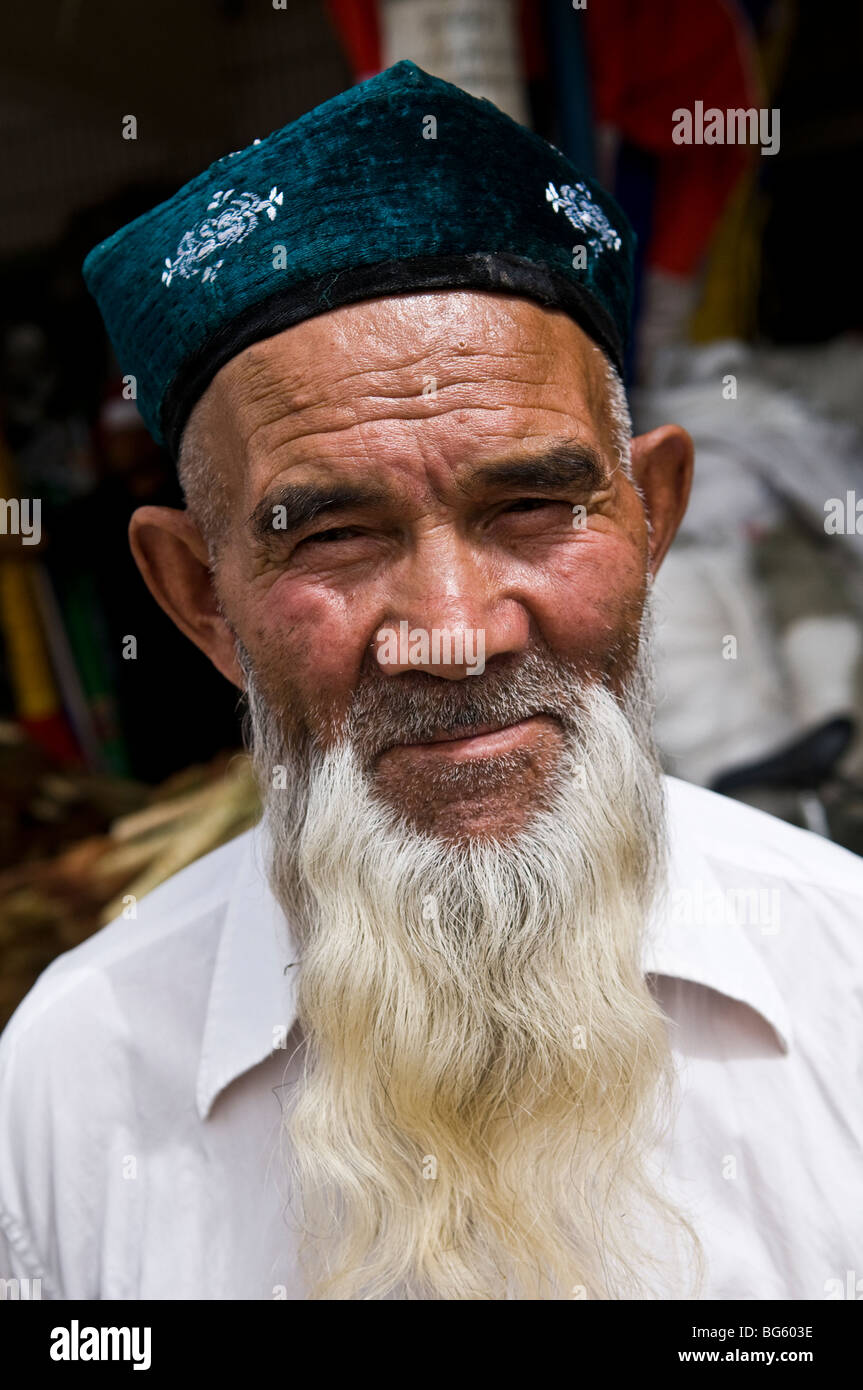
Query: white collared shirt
[[140, 1078]]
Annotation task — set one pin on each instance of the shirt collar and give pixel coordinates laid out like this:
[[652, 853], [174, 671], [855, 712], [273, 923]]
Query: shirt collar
[[252, 1003], [695, 933]]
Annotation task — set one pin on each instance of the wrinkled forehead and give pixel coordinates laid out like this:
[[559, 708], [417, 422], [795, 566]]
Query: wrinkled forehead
[[447, 359]]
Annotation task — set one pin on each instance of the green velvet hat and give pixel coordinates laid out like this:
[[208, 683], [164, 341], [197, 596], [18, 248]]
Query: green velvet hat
[[403, 182]]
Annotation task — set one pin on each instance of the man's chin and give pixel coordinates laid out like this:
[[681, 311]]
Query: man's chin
[[484, 787]]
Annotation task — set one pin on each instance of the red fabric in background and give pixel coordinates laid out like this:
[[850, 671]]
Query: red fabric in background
[[534, 58], [54, 736], [646, 60], [356, 23]]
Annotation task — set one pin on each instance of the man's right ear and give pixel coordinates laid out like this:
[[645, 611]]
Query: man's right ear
[[172, 556]]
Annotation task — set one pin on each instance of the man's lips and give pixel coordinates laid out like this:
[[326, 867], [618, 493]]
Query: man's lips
[[477, 740]]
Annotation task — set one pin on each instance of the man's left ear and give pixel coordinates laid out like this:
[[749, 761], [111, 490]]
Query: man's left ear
[[172, 556], [662, 468]]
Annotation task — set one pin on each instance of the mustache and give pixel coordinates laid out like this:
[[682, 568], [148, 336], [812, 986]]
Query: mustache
[[417, 706], [414, 707]]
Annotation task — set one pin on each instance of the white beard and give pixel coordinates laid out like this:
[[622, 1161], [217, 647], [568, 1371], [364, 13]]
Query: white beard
[[486, 1073]]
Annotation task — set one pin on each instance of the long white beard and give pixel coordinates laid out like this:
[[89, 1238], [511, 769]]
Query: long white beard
[[486, 1073]]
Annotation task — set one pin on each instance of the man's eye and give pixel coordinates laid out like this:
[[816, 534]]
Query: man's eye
[[336, 533], [531, 504]]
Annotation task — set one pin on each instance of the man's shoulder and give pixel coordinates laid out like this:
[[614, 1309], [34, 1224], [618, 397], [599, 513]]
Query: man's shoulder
[[175, 917], [737, 834], [108, 1038]]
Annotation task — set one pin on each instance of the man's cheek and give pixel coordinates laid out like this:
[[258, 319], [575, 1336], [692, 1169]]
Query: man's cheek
[[593, 601], [314, 638]]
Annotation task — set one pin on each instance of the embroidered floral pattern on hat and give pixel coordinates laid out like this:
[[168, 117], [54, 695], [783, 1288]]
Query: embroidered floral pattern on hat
[[232, 223], [578, 206]]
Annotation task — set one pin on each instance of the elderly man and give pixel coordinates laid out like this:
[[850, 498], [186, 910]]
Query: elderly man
[[486, 1007]]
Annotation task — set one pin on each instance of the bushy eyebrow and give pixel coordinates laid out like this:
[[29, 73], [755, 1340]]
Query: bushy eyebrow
[[301, 503], [569, 463]]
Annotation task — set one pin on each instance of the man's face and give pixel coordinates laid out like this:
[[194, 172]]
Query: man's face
[[442, 460]]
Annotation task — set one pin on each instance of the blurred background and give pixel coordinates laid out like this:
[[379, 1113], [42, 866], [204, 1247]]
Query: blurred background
[[119, 743]]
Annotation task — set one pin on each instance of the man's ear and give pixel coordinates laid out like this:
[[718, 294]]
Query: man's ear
[[172, 556], [662, 468]]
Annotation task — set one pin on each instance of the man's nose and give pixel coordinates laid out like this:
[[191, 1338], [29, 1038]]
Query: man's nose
[[451, 614]]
